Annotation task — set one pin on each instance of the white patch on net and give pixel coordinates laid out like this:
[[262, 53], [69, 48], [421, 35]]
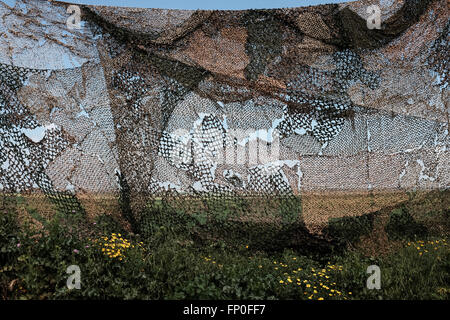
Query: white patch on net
[[198, 186], [423, 176], [82, 113], [322, 148], [402, 174], [100, 159], [9, 3], [5, 165], [70, 187], [37, 134], [300, 131], [263, 134]]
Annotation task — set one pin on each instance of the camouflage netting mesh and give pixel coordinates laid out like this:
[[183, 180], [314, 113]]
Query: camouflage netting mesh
[[244, 125]]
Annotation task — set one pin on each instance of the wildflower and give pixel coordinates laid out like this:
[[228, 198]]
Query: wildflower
[[76, 251], [18, 245]]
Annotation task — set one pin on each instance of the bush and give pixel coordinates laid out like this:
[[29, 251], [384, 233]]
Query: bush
[[402, 225]]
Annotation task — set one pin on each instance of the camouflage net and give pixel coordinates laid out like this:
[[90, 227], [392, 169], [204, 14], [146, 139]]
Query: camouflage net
[[257, 126]]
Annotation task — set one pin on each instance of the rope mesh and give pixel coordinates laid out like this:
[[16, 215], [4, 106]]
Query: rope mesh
[[253, 126]]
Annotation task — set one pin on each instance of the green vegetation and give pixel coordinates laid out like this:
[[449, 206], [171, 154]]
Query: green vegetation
[[171, 262], [402, 225], [350, 228]]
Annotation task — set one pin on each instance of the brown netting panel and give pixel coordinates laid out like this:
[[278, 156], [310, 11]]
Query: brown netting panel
[[177, 119]]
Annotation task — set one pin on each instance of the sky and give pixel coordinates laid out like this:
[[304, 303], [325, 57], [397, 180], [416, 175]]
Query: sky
[[202, 4]]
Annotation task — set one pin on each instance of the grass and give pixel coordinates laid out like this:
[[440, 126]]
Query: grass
[[189, 259]]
